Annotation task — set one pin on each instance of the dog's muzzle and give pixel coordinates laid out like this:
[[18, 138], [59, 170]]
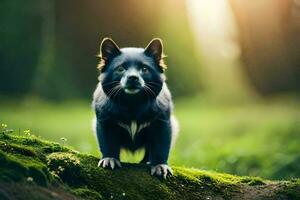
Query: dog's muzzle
[[132, 85], [132, 82]]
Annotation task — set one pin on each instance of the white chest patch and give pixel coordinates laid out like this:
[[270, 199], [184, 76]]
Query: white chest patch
[[133, 128]]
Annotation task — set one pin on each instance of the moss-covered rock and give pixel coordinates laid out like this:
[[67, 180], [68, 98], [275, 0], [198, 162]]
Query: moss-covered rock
[[31, 168]]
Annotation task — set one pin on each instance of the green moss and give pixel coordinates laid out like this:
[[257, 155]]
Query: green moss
[[11, 169], [253, 181], [16, 167], [42, 163], [16, 148], [67, 167], [87, 194]]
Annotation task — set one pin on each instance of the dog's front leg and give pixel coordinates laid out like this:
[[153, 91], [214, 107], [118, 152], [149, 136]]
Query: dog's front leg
[[109, 142], [159, 147]]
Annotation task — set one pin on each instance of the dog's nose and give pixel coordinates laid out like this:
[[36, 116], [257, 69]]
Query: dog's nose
[[133, 78]]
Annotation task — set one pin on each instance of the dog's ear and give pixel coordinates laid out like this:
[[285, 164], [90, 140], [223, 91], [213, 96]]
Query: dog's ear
[[108, 49], [155, 50]]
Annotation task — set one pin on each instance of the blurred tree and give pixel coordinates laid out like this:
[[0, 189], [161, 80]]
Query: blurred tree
[[20, 26], [269, 37], [41, 83]]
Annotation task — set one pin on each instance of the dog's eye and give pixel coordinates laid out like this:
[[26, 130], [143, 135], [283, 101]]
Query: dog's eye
[[145, 70], [120, 69]]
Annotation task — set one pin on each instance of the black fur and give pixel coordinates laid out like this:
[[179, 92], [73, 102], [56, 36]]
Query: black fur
[[150, 105]]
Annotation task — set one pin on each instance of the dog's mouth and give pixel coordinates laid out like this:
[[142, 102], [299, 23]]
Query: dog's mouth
[[132, 86], [132, 90]]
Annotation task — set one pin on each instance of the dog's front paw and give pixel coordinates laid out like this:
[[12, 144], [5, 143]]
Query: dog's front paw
[[161, 170], [109, 162]]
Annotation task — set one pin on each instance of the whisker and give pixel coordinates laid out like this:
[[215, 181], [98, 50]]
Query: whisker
[[148, 97], [117, 91], [153, 83], [113, 90], [117, 95], [110, 91], [150, 90], [110, 83]]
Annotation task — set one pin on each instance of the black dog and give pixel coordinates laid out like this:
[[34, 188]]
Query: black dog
[[133, 105]]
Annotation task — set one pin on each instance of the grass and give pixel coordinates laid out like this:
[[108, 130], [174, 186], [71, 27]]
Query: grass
[[257, 139]]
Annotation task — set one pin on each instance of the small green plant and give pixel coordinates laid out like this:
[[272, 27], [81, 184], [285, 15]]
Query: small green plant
[[5, 129], [27, 132], [3, 126]]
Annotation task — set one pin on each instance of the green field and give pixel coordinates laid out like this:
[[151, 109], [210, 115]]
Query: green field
[[260, 138]]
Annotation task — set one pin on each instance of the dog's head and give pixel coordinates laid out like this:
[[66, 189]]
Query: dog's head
[[131, 72]]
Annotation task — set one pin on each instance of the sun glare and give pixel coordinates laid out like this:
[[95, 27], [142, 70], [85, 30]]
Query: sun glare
[[215, 31]]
